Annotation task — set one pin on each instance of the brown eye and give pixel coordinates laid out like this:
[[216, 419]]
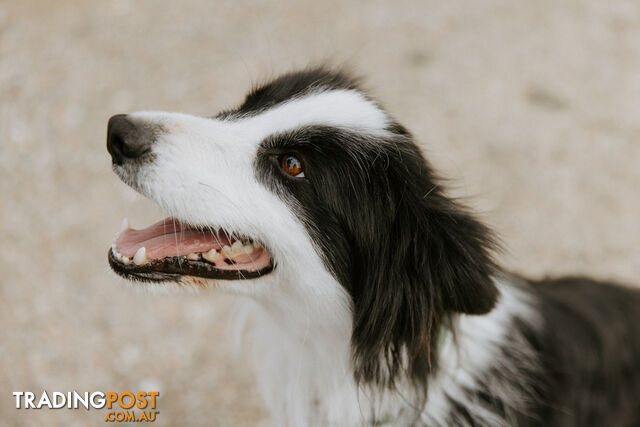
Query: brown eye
[[292, 166]]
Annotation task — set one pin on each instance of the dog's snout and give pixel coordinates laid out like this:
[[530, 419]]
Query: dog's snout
[[127, 140]]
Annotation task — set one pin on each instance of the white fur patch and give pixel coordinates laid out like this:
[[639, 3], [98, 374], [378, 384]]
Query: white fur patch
[[341, 108]]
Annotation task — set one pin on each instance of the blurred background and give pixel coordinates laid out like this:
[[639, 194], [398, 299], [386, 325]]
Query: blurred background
[[532, 108]]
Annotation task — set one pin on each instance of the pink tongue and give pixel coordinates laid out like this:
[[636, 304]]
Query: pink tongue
[[168, 238]]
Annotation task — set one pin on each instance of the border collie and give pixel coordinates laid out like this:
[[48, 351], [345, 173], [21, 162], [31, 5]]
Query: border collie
[[373, 298]]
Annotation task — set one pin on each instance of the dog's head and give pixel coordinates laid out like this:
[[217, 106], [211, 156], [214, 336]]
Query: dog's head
[[311, 197]]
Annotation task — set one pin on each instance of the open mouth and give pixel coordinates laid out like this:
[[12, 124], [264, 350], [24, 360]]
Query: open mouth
[[170, 249]]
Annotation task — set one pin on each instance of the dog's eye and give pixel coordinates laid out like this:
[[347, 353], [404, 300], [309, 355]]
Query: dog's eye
[[291, 165]]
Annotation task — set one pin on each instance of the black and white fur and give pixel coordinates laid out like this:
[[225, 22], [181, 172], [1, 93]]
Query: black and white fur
[[385, 305]]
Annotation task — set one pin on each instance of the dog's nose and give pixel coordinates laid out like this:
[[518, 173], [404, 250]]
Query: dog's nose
[[127, 140]]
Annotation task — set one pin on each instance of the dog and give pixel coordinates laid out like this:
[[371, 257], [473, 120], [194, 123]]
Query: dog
[[372, 298]]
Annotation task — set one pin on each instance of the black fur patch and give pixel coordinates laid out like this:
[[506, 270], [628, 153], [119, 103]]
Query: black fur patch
[[290, 86], [587, 360], [590, 353], [406, 253]]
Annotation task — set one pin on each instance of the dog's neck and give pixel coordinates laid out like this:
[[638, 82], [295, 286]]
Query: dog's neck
[[305, 373]]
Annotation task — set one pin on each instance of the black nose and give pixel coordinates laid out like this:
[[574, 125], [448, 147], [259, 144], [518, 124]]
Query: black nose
[[127, 140]]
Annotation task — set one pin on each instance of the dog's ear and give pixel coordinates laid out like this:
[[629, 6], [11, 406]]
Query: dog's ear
[[458, 258], [419, 256]]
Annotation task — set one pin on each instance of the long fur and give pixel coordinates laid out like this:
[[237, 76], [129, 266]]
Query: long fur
[[385, 306]]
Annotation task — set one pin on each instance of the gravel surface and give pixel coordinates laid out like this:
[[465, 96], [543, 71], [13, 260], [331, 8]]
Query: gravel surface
[[531, 107]]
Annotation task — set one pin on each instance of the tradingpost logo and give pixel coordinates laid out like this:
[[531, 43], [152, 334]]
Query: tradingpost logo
[[124, 406]]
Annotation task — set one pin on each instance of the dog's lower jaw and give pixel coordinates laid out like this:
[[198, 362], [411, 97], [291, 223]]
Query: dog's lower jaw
[[306, 376]]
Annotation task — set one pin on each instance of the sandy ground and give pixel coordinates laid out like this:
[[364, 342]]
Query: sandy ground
[[533, 108]]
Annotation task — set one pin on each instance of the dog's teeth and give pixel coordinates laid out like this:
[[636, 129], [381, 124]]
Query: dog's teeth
[[217, 228], [226, 250], [117, 255], [113, 247], [212, 255], [124, 225], [193, 256], [248, 248], [236, 248], [126, 260], [140, 258], [257, 244]]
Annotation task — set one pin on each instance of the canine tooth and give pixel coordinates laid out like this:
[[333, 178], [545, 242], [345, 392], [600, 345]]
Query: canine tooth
[[193, 256], [117, 255], [226, 249], [124, 225], [126, 260], [212, 255], [113, 247], [248, 248], [140, 257]]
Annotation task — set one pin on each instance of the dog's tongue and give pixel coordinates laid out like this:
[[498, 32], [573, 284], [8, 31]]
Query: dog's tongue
[[168, 237]]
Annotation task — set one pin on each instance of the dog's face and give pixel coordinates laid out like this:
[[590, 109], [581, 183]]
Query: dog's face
[[311, 196], [233, 185]]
